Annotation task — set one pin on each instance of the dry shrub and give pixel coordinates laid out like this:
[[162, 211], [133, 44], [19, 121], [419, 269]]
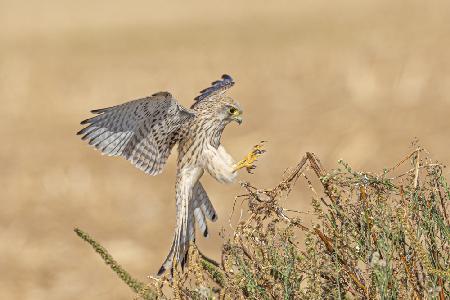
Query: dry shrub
[[375, 236]]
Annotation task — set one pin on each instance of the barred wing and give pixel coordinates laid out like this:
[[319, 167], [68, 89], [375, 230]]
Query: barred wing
[[216, 89], [143, 131]]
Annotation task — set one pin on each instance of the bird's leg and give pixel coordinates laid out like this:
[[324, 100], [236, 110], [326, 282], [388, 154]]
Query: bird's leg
[[252, 156]]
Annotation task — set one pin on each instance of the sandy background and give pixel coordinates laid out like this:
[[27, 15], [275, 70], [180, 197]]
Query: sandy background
[[349, 80]]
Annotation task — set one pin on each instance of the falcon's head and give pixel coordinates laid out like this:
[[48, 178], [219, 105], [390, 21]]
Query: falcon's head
[[213, 103], [230, 110]]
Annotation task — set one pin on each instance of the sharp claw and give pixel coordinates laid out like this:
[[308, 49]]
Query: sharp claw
[[250, 168], [252, 157]]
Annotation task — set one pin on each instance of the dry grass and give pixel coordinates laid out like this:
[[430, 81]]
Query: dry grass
[[350, 79], [375, 236]]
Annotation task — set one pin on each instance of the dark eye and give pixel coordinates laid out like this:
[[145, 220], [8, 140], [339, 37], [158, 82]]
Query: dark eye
[[232, 110]]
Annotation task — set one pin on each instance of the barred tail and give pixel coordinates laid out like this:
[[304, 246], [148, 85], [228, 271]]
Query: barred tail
[[197, 209]]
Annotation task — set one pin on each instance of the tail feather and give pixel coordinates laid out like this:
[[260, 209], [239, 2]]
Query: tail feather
[[198, 209], [202, 197], [201, 221]]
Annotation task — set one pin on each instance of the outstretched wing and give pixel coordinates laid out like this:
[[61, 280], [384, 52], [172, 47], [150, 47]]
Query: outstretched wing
[[217, 88], [143, 131]]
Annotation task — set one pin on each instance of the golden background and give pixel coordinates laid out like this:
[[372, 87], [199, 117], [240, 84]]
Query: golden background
[[357, 80]]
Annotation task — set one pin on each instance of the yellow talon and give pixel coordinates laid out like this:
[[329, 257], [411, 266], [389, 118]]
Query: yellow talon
[[248, 161]]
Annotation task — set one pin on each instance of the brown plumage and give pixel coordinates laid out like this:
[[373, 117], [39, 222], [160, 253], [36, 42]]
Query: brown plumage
[[144, 132]]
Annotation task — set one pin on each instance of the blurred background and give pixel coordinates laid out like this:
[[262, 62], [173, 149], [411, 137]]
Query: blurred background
[[357, 80]]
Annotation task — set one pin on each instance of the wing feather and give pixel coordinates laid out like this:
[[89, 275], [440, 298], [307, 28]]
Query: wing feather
[[217, 88], [143, 131]]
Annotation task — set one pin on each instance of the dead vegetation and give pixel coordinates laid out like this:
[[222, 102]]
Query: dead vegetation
[[375, 236]]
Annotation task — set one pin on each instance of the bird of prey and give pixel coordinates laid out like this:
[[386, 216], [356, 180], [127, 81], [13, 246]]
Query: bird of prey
[[144, 131]]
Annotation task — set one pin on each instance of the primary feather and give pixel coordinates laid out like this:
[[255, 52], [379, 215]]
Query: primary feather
[[144, 132], [217, 87]]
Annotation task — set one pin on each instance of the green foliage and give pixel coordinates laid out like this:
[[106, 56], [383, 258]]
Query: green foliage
[[374, 236], [138, 287]]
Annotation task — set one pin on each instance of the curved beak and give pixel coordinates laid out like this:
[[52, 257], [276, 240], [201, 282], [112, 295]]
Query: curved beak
[[238, 119]]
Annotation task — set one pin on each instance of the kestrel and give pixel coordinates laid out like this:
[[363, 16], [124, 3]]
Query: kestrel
[[144, 131]]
